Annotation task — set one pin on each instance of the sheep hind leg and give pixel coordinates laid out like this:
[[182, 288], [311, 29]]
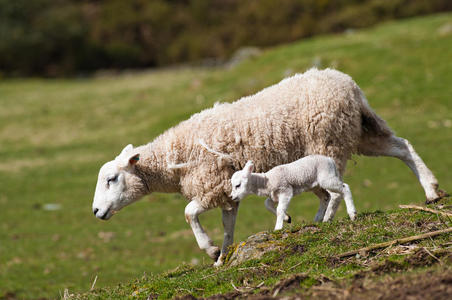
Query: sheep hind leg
[[192, 211], [401, 148], [333, 205], [351, 210], [229, 217], [335, 200], [270, 205], [324, 198]]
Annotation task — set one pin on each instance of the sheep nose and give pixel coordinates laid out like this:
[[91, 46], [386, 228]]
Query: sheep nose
[[95, 211]]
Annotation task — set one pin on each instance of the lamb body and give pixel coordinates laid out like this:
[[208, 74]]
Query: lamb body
[[318, 112], [280, 184]]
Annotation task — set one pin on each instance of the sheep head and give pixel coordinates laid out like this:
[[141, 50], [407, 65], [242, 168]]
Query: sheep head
[[240, 181], [118, 185]]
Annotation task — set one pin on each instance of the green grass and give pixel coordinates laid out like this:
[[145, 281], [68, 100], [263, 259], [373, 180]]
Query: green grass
[[55, 134], [308, 249]]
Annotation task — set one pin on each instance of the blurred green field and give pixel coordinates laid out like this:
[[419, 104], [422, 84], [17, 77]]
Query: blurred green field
[[55, 134]]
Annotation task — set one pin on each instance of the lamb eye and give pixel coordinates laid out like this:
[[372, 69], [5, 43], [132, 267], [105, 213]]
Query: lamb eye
[[237, 186]]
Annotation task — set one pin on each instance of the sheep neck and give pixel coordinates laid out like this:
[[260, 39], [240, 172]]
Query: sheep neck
[[153, 170], [259, 184]]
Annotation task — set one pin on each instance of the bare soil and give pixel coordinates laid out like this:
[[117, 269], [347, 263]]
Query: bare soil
[[433, 284], [429, 285]]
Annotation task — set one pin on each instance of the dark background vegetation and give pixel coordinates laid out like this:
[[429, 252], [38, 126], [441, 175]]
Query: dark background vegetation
[[73, 37]]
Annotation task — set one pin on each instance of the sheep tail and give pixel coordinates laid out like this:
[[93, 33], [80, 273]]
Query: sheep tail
[[371, 123]]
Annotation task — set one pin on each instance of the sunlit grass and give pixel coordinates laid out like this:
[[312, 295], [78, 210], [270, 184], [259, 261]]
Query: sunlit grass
[[55, 134]]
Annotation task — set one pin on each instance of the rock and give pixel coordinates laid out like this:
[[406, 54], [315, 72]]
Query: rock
[[253, 248]]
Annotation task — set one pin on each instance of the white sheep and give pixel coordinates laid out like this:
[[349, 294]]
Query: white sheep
[[318, 112], [280, 184]]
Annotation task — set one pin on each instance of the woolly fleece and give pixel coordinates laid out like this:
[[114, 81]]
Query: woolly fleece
[[317, 112]]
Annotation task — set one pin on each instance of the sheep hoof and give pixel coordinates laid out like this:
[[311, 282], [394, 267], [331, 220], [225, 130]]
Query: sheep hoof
[[213, 252], [441, 194], [218, 264], [220, 261]]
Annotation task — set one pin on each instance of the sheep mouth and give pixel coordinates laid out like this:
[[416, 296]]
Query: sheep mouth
[[107, 215]]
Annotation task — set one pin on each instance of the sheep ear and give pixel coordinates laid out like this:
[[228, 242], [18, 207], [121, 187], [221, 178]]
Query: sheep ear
[[134, 159], [126, 149], [128, 161], [125, 159], [249, 167]]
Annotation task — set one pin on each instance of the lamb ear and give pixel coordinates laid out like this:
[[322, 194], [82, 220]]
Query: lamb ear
[[249, 167]]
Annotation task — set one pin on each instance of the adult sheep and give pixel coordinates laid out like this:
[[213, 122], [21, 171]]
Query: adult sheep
[[318, 112]]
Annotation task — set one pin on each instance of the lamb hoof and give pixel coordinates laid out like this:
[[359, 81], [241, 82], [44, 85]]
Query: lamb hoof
[[441, 194], [214, 253], [289, 220]]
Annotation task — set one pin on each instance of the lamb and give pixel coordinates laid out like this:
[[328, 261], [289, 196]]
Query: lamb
[[280, 184], [317, 112]]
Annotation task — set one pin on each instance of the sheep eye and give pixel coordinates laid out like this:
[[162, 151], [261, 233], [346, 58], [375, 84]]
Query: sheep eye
[[237, 186], [112, 179]]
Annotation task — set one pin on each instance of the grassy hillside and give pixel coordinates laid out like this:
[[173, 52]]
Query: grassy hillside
[[55, 134], [304, 261]]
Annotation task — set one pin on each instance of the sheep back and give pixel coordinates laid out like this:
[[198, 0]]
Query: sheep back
[[317, 112]]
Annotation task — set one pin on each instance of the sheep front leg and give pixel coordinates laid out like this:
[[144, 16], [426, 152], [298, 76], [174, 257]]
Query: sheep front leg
[[192, 211], [229, 217], [283, 204]]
